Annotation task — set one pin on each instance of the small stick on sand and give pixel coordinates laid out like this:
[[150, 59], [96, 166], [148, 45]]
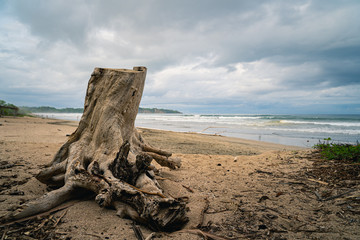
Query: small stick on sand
[[138, 233], [188, 188], [202, 214]]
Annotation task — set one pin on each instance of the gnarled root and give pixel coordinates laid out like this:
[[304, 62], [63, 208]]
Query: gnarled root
[[158, 213], [53, 175], [128, 187], [162, 157], [170, 162], [43, 204]]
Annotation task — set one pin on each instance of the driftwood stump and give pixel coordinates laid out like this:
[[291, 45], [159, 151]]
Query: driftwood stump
[[108, 156]]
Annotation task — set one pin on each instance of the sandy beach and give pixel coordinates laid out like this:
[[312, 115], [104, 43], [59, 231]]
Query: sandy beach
[[236, 188]]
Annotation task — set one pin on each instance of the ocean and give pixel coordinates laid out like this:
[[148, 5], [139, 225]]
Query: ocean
[[295, 130]]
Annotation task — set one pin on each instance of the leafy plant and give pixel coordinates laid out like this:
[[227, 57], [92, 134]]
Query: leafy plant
[[339, 151], [8, 109]]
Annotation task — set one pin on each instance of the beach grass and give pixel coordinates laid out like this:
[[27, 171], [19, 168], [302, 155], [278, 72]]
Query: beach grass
[[339, 151]]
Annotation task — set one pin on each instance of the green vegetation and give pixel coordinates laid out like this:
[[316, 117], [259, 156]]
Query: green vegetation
[[46, 109], [156, 110], [8, 109], [339, 151]]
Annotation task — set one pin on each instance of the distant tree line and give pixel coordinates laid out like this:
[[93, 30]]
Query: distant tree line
[[8, 109], [46, 109], [156, 110], [81, 110]]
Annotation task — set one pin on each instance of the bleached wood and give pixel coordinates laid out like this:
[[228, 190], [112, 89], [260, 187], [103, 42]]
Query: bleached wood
[[108, 156]]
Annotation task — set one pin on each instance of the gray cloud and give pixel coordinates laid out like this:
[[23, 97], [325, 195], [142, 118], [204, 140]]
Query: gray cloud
[[233, 56]]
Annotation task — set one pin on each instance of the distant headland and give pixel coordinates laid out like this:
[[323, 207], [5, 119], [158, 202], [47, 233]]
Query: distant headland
[[46, 109], [157, 110], [11, 109]]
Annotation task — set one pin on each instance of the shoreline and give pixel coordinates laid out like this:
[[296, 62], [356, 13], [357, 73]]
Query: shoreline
[[292, 130], [177, 137], [254, 139]]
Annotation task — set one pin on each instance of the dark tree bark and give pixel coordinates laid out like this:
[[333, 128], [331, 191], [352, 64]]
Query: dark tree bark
[[107, 156]]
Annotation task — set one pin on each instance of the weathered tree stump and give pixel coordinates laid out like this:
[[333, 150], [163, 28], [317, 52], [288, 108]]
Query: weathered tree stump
[[108, 156]]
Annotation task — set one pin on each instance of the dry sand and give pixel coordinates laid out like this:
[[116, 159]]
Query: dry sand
[[237, 189]]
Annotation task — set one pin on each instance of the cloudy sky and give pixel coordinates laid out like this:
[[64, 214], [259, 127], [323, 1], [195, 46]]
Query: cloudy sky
[[203, 56]]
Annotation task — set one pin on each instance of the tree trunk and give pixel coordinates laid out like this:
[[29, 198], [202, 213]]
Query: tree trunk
[[108, 156]]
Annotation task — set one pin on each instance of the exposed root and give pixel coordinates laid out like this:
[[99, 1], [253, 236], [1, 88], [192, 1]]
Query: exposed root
[[171, 162], [147, 148], [45, 203], [53, 175]]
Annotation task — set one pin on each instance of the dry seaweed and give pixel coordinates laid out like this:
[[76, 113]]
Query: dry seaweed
[[34, 228], [332, 183]]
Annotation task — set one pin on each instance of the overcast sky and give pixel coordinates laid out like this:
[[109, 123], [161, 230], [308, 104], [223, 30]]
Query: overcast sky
[[203, 56]]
